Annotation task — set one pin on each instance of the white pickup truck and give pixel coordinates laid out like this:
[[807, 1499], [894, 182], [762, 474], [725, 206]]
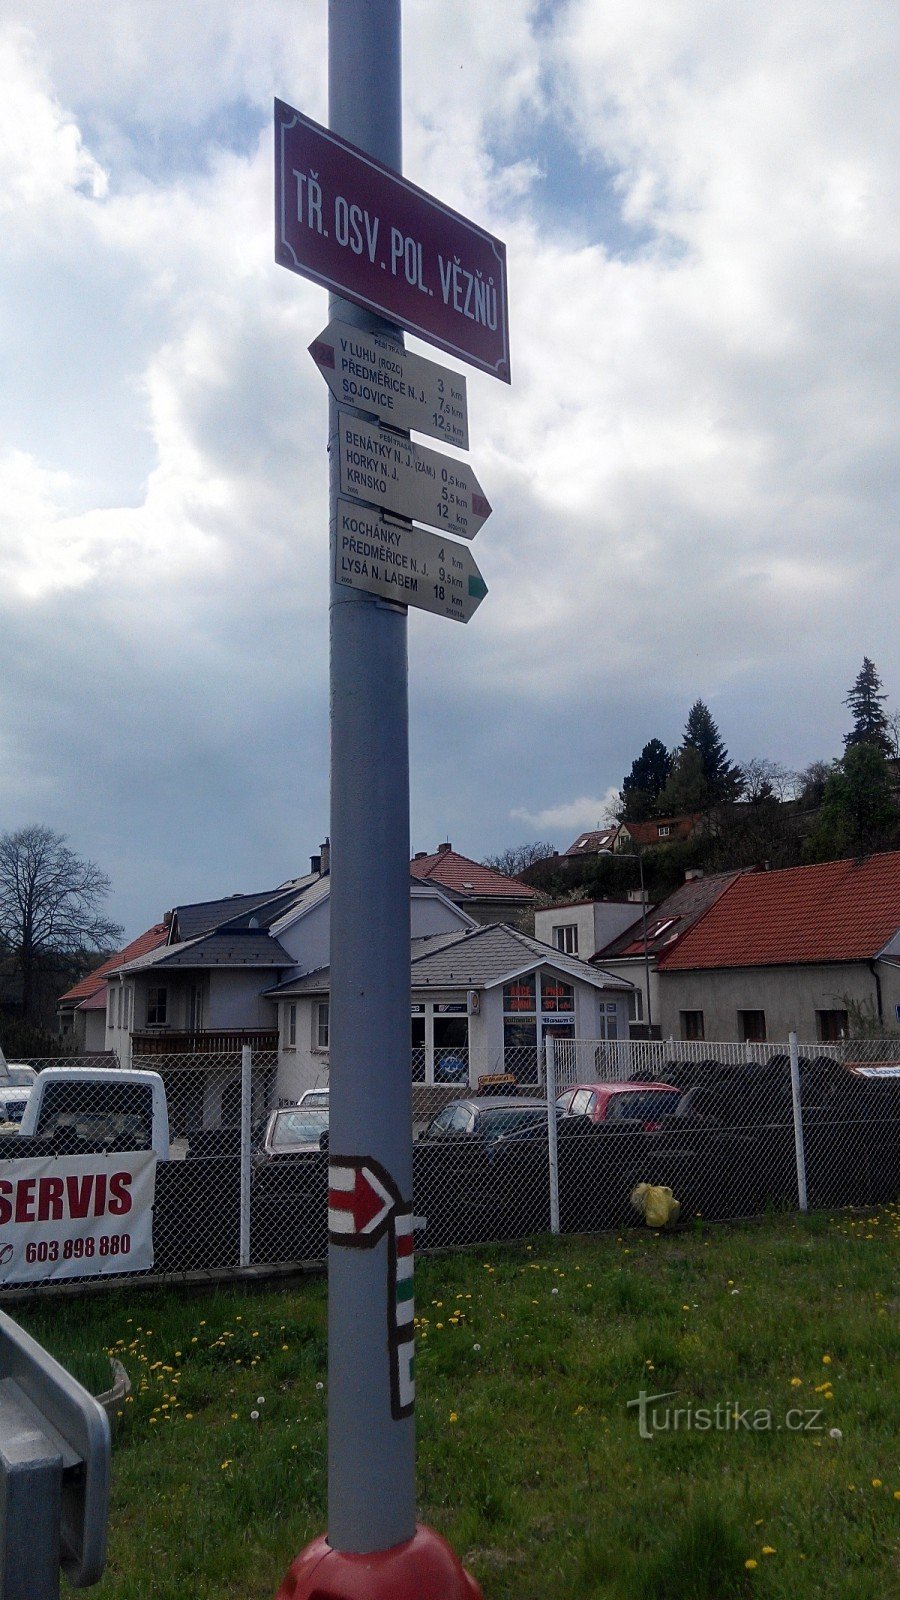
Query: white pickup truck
[[96, 1108]]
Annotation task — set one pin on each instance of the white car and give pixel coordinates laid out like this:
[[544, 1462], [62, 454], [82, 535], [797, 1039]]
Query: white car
[[314, 1097], [13, 1100]]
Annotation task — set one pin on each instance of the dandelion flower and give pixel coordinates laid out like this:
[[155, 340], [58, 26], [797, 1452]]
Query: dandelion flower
[[750, 1564], [876, 1483], [454, 1416], [796, 1382], [768, 1550], [826, 1361]]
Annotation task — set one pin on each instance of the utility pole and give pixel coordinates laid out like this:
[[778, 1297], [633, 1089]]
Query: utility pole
[[373, 1547]]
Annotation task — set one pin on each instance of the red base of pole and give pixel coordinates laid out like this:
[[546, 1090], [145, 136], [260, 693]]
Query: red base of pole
[[424, 1566]]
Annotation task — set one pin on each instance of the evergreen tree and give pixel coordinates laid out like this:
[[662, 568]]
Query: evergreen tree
[[723, 781], [687, 788], [645, 782], [858, 812], [870, 723]]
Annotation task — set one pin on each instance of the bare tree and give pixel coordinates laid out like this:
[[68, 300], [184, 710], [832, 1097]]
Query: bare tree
[[515, 860], [49, 902], [767, 780]]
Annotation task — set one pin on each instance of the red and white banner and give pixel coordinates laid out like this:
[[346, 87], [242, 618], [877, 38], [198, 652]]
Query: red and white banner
[[76, 1216]]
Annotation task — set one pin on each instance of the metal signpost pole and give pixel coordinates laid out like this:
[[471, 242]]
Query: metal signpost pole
[[797, 1109], [552, 1147], [246, 1102], [371, 1498], [373, 1545]]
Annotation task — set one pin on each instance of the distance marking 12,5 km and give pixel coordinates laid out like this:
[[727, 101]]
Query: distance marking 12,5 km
[[406, 564], [400, 388], [385, 469]]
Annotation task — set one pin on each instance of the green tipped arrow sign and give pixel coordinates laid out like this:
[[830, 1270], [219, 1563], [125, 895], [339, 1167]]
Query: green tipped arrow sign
[[406, 564]]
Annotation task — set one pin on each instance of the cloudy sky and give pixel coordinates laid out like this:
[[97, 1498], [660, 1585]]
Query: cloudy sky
[[694, 473]]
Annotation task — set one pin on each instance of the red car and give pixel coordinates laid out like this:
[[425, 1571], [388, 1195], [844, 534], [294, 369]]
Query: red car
[[644, 1103]]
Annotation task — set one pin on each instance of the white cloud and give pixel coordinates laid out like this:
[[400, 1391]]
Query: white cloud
[[574, 815], [693, 473]]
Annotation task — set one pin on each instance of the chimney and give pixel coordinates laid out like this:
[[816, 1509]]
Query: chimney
[[443, 848], [315, 864], [325, 850], [692, 874], [421, 855]]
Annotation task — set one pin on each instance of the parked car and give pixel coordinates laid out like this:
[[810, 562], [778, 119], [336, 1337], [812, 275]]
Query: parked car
[[294, 1131], [620, 1104], [314, 1097], [12, 1106], [486, 1118]]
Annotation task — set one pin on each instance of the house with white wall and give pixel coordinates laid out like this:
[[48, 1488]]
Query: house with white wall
[[483, 1001], [813, 950], [582, 927]]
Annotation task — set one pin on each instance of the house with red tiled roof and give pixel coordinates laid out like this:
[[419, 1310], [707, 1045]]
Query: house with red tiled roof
[[634, 952], [82, 1011], [486, 895], [797, 949], [657, 831]]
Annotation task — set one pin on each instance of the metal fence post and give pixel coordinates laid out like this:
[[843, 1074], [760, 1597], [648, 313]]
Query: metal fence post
[[246, 1099], [552, 1148], [798, 1120]]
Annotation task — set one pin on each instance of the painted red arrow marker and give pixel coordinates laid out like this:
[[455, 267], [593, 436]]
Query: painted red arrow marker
[[361, 1200]]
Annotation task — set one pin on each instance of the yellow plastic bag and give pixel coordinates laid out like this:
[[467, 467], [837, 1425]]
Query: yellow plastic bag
[[656, 1203]]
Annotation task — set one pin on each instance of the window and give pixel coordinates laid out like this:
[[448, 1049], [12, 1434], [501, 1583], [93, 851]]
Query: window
[[664, 830], [565, 938], [608, 1019], [323, 1024], [556, 995], [831, 1025], [582, 1102], [195, 1008], [157, 1001], [519, 996], [114, 1008], [290, 1026], [692, 1025], [752, 1026]]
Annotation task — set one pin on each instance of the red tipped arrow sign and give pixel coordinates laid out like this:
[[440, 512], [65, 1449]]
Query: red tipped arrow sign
[[362, 1197]]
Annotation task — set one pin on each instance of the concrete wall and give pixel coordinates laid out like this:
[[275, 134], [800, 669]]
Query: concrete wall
[[597, 921], [302, 1066], [307, 938], [634, 971], [789, 996], [235, 1000]]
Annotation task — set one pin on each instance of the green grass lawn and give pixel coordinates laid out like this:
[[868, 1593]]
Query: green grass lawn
[[530, 1460]]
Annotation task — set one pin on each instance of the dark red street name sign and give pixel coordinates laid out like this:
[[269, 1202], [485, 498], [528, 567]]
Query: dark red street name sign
[[363, 231]]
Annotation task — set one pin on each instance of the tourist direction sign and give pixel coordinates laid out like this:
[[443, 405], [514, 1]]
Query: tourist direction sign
[[385, 469], [406, 564], [403, 389], [352, 224]]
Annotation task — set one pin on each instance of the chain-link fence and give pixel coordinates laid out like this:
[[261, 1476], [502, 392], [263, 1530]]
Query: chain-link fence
[[242, 1178]]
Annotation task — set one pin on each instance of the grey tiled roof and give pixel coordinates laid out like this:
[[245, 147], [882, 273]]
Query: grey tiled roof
[[673, 916], [472, 960], [265, 905], [489, 954], [234, 948]]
